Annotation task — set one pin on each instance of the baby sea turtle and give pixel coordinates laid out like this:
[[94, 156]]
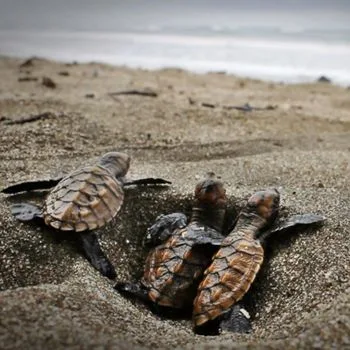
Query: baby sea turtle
[[174, 268], [236, 263], [86, 199]]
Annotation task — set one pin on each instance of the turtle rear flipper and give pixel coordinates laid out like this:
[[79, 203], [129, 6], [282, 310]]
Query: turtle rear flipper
[[31, 186], [26, 211], [95, 255], [138, 291], [132, 290], [236, 320], [290, 223]]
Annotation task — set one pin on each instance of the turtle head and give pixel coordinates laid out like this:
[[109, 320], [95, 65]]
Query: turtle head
[[116, 162], [264, 204], [211, 192]]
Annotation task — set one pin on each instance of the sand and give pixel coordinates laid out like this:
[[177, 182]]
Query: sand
[[50, 296]]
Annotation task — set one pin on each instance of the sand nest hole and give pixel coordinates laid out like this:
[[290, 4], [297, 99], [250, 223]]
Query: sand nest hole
[[282, 300]]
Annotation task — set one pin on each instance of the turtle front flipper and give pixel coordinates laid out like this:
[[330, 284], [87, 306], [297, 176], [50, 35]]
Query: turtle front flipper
[[236, 320], [164, 227], [206, 236], [31, 186], [291, 222], [93, 252], [132, 290], [26, 211], [147, 181]]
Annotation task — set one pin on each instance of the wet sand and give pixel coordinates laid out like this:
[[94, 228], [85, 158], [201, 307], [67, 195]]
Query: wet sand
[[52, 298]]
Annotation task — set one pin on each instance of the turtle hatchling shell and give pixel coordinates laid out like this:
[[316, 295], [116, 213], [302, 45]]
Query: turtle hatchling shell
[[86, 199], [172, 269], [228, 278]]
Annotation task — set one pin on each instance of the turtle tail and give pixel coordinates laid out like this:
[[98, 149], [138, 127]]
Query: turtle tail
[[26, 211]]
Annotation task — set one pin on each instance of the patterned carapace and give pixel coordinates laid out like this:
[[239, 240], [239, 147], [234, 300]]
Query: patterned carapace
[[173, 269], [86, 199], [236, 263]]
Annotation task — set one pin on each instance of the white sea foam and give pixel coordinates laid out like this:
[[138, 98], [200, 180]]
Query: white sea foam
[[270, 58]]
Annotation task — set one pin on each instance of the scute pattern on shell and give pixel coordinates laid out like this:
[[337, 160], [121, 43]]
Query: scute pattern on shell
[[86, 199], [171, 270], [228, 278]]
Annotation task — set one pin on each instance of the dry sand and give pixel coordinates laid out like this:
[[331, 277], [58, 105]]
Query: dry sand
[[52, 298]]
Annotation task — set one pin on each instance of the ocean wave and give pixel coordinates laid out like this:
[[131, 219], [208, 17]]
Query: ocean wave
[[282, 32], [263, 58]]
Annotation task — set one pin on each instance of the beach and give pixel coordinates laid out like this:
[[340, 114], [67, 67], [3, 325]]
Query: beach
[[295, 137]]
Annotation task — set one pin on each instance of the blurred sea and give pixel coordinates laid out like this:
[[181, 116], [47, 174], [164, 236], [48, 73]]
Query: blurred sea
[[274, 49]]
